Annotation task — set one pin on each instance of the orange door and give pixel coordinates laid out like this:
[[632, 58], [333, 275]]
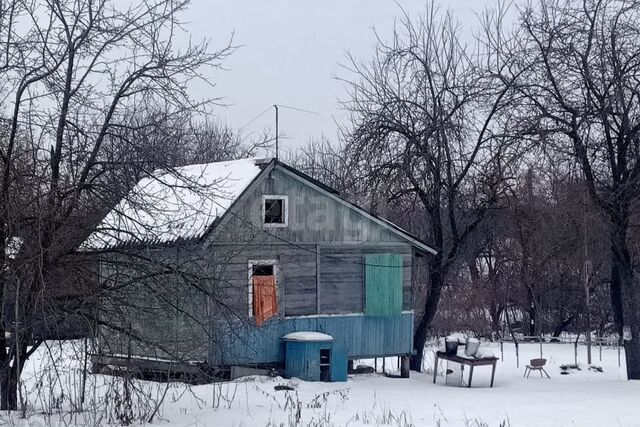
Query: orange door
[[265, 304]]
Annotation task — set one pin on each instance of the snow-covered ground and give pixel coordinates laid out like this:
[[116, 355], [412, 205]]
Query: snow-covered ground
[[583, 398]]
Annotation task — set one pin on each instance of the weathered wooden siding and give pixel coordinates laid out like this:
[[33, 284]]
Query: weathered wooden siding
[[341, 275], [295, 271], [154, 312], [313, 217], [360, 335], [341, 280]]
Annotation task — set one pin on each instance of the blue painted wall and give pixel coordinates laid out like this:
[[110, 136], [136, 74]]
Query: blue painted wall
[[339, 364], [237, 343]]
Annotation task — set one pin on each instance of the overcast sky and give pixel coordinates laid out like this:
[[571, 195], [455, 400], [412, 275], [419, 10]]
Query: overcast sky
[[290, 51]]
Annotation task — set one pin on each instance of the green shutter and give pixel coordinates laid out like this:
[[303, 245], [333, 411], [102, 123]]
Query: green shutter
[[383, 283]]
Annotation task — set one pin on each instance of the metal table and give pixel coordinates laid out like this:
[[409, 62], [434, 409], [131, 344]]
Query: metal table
[[470, 361]]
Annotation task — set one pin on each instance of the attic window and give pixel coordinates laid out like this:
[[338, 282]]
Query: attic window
[[274, 211]]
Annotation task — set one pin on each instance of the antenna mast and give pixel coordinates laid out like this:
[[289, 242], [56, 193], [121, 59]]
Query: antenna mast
[[276, 107]]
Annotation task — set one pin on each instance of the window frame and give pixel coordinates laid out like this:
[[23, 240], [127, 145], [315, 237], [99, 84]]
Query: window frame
[[285, 210], [256, 263]]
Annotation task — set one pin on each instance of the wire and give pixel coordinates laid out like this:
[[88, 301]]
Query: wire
[[298, 109], [255, 118]]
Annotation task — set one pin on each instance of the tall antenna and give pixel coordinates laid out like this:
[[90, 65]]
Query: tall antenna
[[276, 107]]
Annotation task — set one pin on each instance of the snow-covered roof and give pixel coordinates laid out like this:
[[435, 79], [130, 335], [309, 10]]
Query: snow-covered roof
[[307, 336], [173, 205]]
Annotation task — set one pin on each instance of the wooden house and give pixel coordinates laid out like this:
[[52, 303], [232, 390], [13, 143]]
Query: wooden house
[[224, 277]]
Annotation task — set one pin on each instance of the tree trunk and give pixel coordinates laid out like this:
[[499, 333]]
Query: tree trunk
[[629, 296], [561, 326], [8, 390], [5, 373], [632, 356], [533, 314], [494, 312], [436, 282], [615, 293], [10, 371]]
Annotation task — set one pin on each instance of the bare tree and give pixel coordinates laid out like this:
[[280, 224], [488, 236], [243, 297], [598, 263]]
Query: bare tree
[[429, 128], [328, 163], [582, 87], [529, 255], [74, 75]]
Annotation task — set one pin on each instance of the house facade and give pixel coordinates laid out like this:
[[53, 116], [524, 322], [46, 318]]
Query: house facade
[[286, 254]]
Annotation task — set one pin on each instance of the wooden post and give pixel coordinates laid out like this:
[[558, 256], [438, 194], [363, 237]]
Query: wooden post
[[384, 365], [600, 347], [493, 372], [84, 374], [502, 350], [405, 366], [375, 364], [587, 336], [435, 368], [588, 341], [540, 346], [517, 355]]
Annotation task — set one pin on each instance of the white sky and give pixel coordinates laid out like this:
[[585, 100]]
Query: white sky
[[291, 49]]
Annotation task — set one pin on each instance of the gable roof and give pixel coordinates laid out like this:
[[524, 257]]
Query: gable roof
[[188, 202]]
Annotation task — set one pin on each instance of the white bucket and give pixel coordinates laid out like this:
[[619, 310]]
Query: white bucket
[[472, 346]]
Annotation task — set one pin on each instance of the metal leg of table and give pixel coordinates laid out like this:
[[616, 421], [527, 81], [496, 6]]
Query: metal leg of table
[[435, 369], [493, 373], [470, 376]]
